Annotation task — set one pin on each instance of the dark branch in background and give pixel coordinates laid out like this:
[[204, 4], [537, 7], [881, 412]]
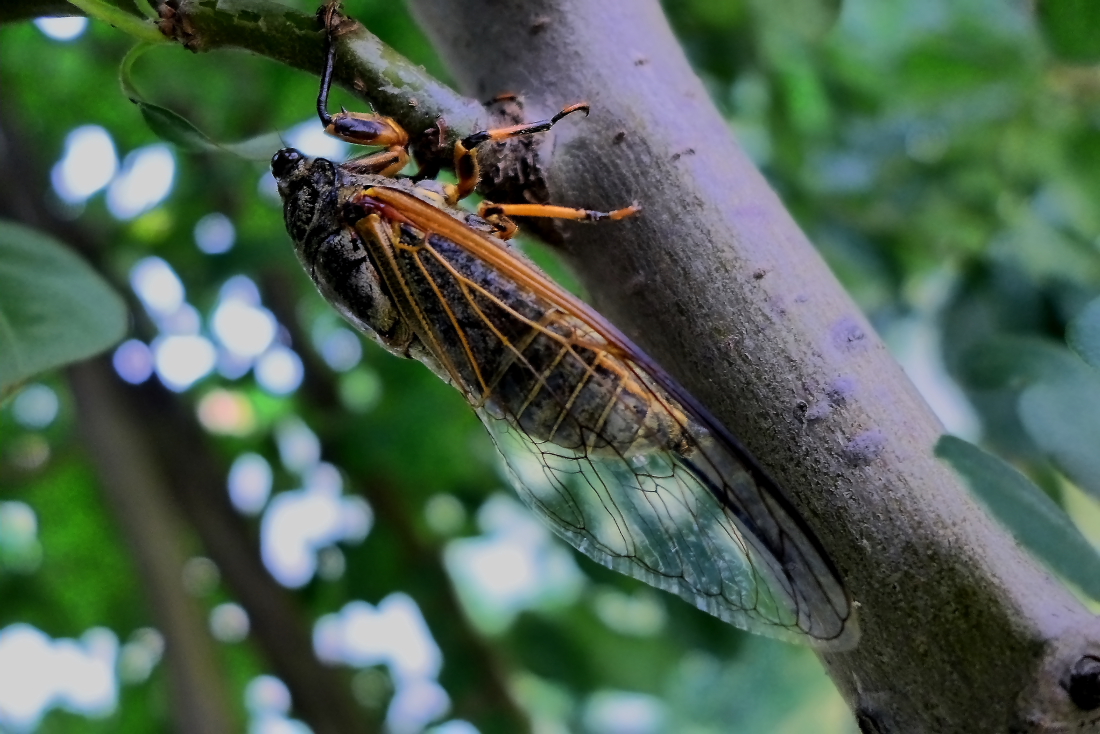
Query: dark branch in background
[[960, 627], [135, 488], [321, 694]]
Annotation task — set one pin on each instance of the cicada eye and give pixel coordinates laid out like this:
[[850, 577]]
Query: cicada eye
[[285, 162]]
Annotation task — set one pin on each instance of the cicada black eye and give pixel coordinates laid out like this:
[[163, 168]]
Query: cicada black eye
[[285, 161]]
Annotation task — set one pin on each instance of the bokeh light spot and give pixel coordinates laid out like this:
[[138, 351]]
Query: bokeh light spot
[[35, 406], [64, 28], [250, 480], [145, 180], [311, 140], [183, 360], [279, 371], [157, 285], [243, 329], [341, 349], [229, 622], [215, 234], [87, 165], [133, 361], [227, 413]]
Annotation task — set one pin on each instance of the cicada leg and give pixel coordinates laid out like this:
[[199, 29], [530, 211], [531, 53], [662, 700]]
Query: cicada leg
[[498, 215], [492, 212], [466, 162], [358, 127]]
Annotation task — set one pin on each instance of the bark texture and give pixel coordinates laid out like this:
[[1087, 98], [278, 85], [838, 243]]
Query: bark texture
[[962, 631]]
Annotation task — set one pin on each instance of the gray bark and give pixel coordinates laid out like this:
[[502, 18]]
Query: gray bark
[[961, 630]]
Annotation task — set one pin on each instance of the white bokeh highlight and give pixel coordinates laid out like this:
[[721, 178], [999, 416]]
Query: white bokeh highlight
[[181, 361], [157, 286], [310, 138], [622, 712], [215, 234], [268, 702], [515, 565], [250, 479], [242, 328], [299, 447], [144, 181], [38, 673], [279, 370], [87, 165], [64, 28], [300, 523], [35, 406], [393, 634]]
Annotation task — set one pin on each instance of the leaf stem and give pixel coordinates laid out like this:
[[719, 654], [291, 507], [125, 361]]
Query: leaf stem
[[128, 23]]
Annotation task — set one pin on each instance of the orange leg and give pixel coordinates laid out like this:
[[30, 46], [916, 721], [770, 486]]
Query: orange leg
[[466, 162], [494, 212]]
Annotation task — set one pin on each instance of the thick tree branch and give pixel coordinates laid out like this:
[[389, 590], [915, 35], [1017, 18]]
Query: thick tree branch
[[961, 630]]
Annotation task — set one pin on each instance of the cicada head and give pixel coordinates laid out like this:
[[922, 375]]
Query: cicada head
[[330, 249], [309, 192]]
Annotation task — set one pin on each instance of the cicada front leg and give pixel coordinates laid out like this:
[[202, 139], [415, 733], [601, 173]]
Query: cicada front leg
[[357, 127]]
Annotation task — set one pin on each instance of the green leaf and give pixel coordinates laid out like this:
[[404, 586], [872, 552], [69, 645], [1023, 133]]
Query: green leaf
[[54, 309], [1071, 28], [178, 130], [1014, 362], [1033, 518], [1083, 333], [1063, 419]]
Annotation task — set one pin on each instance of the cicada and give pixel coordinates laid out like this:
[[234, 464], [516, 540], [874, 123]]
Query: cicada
[[599, 440]]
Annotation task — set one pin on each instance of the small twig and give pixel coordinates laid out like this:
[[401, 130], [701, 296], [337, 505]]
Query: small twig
[[368, 68]]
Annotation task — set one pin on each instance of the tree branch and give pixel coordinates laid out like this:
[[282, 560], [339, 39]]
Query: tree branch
[[197, 480], [961, 630], [366, 66]]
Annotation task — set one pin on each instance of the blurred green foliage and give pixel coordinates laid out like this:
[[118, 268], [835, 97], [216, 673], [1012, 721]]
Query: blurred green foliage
[[941, 155]]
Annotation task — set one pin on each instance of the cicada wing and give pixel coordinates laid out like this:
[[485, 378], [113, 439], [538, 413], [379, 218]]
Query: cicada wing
[[657, 515], [606, 447]]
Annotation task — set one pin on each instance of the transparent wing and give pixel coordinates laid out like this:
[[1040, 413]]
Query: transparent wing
[[618, 458], [694, 524]]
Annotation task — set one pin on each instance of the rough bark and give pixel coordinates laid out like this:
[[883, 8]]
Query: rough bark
[[962, 631]]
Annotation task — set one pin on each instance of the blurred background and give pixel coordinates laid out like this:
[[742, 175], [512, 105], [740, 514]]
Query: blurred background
[[297, 488]]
